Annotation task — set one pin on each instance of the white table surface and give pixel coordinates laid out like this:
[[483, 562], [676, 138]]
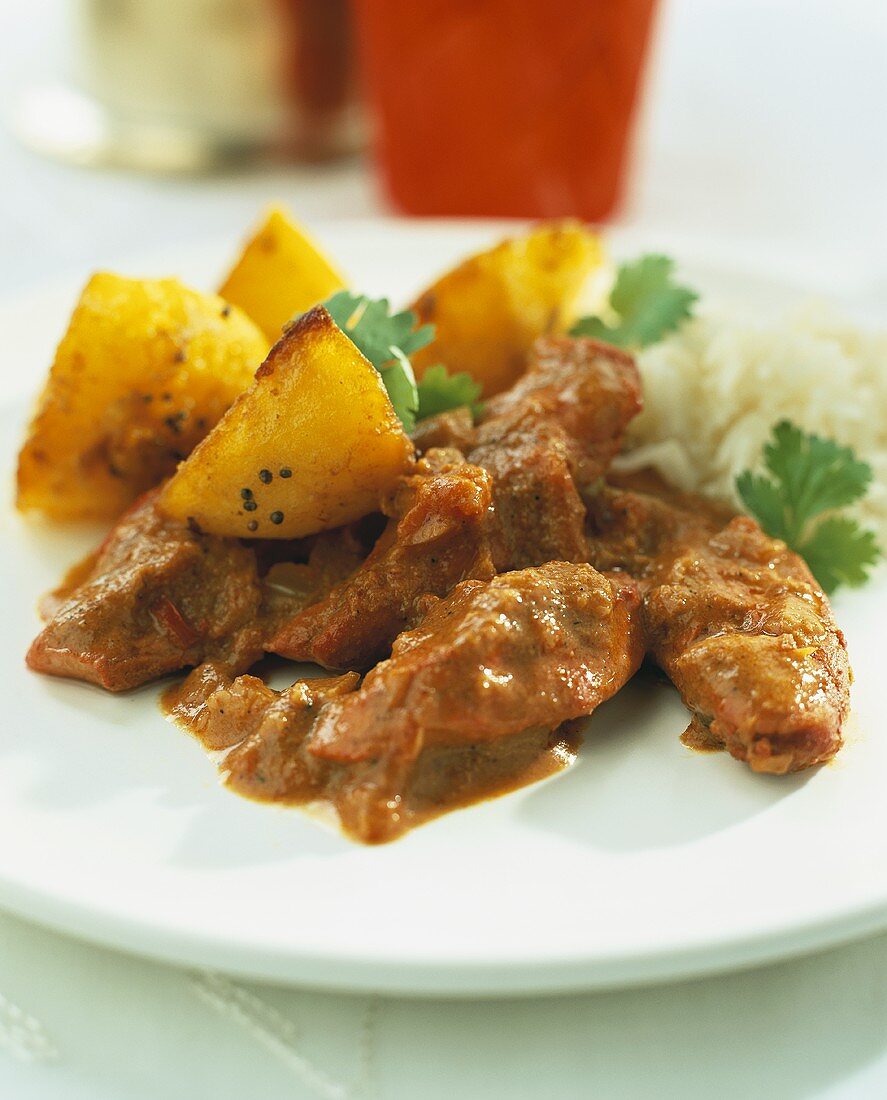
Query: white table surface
[[765, 120]]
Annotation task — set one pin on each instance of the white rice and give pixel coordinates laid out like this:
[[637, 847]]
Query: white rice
[[714, 389]]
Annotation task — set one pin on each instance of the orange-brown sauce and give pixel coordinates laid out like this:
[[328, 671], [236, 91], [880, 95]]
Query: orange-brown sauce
[[697, 736], [451, 780]]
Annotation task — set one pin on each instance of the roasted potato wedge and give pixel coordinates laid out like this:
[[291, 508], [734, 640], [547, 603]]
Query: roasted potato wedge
[[280, 273], [490, 309], [313, 444], [145, 370]]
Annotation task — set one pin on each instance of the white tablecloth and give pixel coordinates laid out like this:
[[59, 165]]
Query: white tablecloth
[[764, 121], [80, 1022]]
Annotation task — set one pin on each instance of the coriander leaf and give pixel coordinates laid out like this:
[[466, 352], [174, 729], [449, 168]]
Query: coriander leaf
[[598, 330], [387, 340], [401, 385], [763, 498], [839, 551], [819, 474], [440, 391], [342, 307], [374, 329], [647, 303], [809, 476]]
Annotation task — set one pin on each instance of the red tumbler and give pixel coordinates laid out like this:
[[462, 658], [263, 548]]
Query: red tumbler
[[503, 107]]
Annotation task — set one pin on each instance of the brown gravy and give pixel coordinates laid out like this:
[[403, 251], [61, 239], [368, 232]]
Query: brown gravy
[[265, 761], [698, 736]]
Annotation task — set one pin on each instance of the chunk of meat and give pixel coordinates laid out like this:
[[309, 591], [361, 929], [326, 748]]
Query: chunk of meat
[[264, 730], [538, 511], [588, 389], [159, 597], [291, 583], [514, 502], [492, 658], [554, 432], [738, 623], [437, 538], [473, 700], [453, 429], [522, 653]]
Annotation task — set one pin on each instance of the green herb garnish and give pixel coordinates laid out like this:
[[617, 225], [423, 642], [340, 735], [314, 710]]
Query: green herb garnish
[[388, 340], [809, 477], [647, 304], [439, 391], [375, 329], [402, 389]]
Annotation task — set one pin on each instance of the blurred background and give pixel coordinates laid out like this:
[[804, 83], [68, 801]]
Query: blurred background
[[126, 122]]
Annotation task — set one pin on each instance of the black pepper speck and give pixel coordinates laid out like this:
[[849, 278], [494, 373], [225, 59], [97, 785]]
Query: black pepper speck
[[285, 471], [276, 517], [249, 506], [265, 476], [246, 494]]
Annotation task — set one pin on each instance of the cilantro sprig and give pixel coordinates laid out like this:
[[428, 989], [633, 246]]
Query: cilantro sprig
[[388, 340], [439, 391], [809, 479], [374, 328], [646, 303]]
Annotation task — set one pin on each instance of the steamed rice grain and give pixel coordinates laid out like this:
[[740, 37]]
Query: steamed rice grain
[[714, 389]]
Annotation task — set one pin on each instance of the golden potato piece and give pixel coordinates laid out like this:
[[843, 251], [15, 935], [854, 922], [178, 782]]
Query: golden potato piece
[[145, 370], [490, 309], [280, 273], [313, 444]]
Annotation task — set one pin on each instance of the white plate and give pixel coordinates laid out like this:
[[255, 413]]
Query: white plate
[[642, 862]]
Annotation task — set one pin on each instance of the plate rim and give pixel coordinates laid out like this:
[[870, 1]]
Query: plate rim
[[342, 972]]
